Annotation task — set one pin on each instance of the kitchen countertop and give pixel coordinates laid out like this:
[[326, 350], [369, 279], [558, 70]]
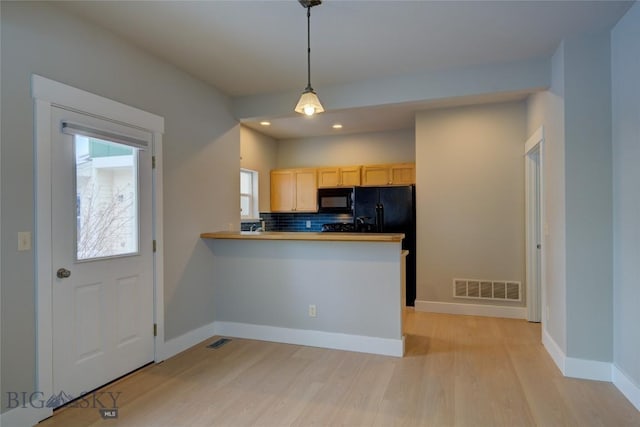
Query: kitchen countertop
[[309, 236]]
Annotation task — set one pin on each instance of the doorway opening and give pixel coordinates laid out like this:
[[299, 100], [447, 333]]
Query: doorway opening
[[534, 223]]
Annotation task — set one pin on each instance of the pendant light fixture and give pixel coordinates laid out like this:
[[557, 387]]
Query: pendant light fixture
[[309, 104]]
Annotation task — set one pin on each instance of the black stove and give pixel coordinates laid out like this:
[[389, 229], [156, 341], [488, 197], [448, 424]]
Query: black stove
[[341, 227]]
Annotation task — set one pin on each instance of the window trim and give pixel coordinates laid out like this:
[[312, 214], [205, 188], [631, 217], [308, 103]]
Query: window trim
[[254, 200]]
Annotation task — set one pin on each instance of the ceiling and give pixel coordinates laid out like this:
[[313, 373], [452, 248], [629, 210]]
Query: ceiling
[[246, 48]]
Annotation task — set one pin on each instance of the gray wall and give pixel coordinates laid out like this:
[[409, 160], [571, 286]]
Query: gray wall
[[470, 197], [348, 150], [576, 113], [547, 109], [625, 53], [434, 85], [587, 97], [258, 152], [201, 160], [354, 285]]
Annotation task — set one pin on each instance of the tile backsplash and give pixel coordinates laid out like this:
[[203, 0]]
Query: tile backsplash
[[296, 221]]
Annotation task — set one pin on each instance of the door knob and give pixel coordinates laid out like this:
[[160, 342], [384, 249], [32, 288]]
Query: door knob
[[63, 273]]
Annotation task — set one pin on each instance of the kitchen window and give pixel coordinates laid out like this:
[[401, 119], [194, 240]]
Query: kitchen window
[[248, 194]]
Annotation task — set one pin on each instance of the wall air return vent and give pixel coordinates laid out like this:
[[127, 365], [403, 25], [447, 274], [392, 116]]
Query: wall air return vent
[[501, 290]]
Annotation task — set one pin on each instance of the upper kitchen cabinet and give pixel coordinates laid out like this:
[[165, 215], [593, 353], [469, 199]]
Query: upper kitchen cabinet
[[390, 174], [345, 176], [403, 174], [294, 190]]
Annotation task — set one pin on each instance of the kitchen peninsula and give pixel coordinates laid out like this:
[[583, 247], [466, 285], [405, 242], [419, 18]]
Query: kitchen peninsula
[[332, 290]]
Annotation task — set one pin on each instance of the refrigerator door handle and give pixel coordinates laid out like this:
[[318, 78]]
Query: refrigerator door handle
[[379, 218]]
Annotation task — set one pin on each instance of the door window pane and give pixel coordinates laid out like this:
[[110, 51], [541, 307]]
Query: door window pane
[[106, 198]]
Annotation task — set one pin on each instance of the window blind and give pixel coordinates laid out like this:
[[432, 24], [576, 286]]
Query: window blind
[[71, 128]]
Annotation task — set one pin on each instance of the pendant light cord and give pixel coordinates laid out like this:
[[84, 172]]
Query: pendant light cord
[[309, 104], [309, 49]]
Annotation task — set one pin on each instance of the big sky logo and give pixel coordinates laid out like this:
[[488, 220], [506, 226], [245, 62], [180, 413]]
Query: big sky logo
[[105, 401]]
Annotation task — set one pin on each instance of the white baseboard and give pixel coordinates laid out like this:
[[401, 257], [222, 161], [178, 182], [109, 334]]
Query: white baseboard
[[24, 417], [627, 387], [554, 350], [573, 367], [471, 309], [587, 369], [183, 342], [338, 341]]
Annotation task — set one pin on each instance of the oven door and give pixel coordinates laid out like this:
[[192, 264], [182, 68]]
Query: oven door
[[335, 200]]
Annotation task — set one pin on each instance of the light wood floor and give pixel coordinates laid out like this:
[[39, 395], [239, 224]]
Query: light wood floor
[[458, 371]]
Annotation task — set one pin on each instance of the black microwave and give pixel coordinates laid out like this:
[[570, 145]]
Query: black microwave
[[335, 200]]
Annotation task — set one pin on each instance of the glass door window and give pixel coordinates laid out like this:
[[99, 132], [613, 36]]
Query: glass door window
[[106, 198]]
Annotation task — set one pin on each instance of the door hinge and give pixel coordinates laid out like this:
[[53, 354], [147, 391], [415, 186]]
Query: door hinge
[[153, 162], [155, 329], [154, 246]]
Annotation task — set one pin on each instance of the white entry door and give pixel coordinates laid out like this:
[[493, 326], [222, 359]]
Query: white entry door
[[102, 296]]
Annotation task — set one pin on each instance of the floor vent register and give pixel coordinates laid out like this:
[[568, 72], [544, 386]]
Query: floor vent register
[[218, 343], [503, 290]]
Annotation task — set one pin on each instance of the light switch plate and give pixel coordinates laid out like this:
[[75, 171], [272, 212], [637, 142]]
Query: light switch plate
[[24, 241]]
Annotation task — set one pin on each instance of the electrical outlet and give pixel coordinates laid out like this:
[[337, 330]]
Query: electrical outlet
[[308, 224], [24, 240], [312, 310]]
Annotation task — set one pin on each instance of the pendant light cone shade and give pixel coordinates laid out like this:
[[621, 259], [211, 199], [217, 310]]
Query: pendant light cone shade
[[309, 103]]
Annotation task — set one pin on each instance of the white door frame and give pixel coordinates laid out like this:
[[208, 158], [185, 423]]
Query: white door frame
[[534, 209], [48, 93]]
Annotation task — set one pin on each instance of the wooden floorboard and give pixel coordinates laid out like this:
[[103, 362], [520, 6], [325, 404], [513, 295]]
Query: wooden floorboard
[[458, 371]]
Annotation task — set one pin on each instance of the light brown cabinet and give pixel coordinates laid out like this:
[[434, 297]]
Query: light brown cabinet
[[294, 190], [345, 176], [390, 174], [403, 174]]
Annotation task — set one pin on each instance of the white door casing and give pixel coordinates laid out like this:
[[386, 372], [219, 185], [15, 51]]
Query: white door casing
[[103, 311], [47, 95], [534, 223]]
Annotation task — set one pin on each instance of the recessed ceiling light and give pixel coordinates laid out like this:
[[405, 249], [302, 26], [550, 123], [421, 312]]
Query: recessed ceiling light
[[337, 126], [265, 123]]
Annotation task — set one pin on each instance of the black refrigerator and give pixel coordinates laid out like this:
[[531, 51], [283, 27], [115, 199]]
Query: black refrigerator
[[390, 210]]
